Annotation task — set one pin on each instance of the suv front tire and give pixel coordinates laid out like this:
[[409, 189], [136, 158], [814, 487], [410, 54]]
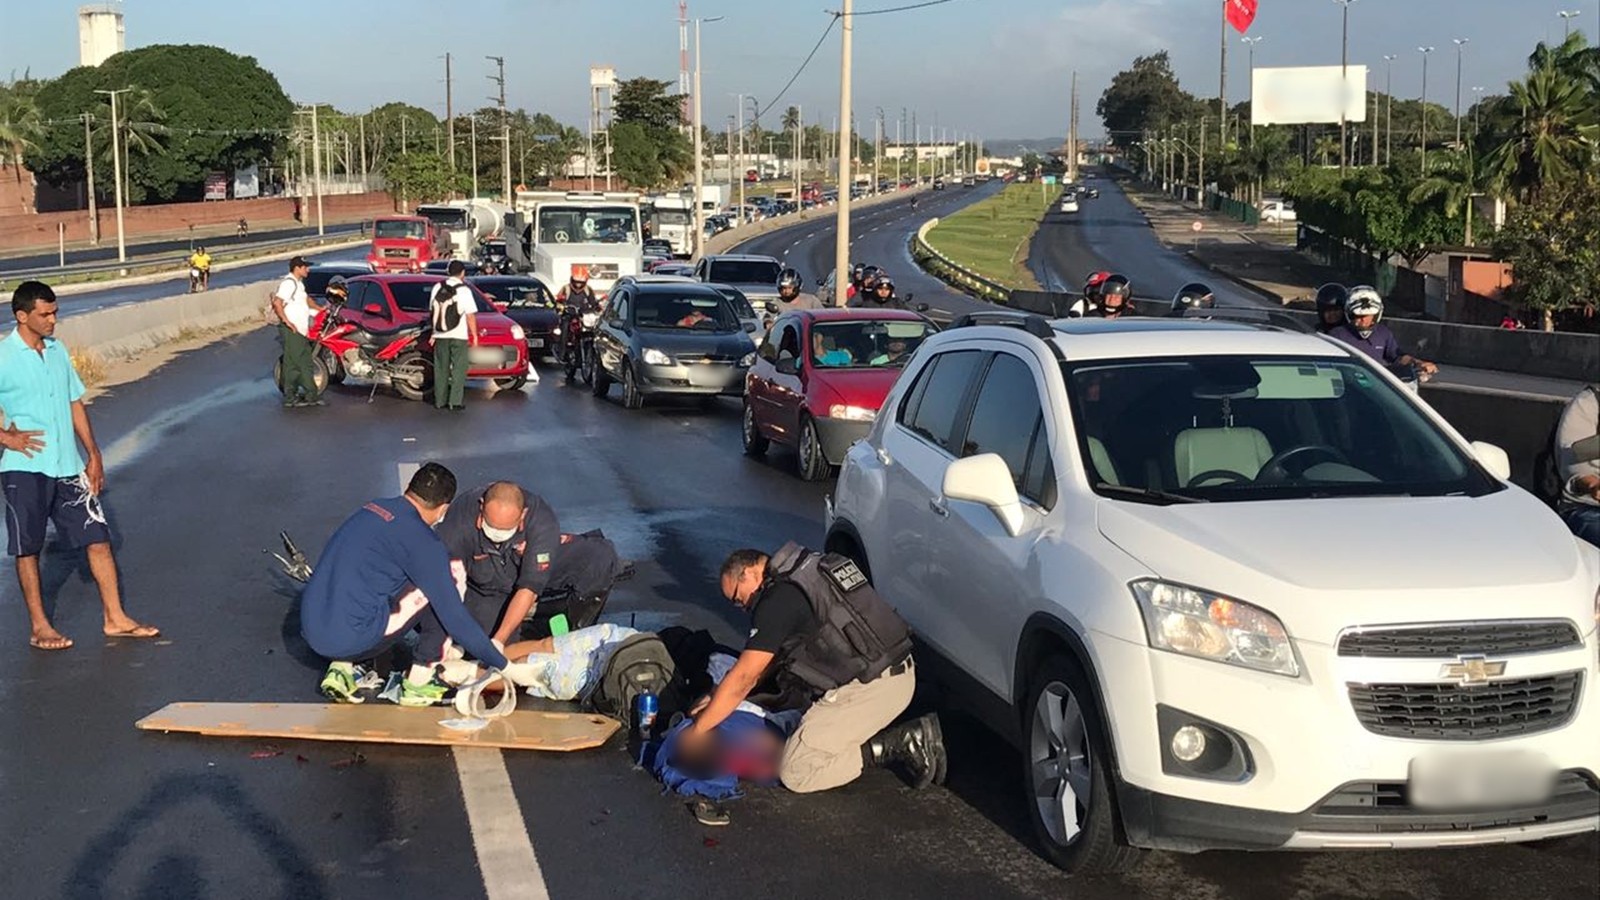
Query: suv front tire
[[1068, 773]]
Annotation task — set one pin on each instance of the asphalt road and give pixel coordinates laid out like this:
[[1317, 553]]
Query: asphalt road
[[107, 251], [177, 283], [204, 468], [1110, 233]]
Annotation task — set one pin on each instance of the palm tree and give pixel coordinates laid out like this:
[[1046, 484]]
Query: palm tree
[[19, 128], [141, 132], [1551, 133], [1325, 147]]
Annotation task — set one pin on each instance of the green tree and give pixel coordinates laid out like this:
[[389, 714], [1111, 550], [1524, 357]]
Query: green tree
[[1144, 97], [1550, 134], [645, 101], [648, 146], [422, 177], [223, 111], [1550, 243], [20, 123]]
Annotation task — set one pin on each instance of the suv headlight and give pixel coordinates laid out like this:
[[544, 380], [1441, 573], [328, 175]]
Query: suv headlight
[[747, 360], [1197, 623], [856, 413], [654, 357]]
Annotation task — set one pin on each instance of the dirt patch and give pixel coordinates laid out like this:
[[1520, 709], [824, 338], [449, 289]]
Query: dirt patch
[[99, 375]]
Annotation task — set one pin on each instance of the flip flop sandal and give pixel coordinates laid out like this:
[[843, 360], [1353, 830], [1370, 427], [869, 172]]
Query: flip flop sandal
[[142, 632], [710, 812], [50, 645]]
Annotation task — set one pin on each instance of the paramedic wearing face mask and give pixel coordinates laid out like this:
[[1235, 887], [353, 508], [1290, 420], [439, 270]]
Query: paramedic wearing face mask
[[511, 544]]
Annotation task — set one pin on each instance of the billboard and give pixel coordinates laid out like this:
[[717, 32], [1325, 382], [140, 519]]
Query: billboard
[[246, 183], [216, 186], [1304, 95]]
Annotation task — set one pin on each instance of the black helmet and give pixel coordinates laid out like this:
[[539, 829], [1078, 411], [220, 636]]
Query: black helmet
[[870, 275], [883, 281], [1332, 296], [857, 271], [1193, 295], [1118, 285], [789, 278], [337, 289]]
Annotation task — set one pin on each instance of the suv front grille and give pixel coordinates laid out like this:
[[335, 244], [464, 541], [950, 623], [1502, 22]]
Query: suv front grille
[[1384, 807], [1460, 638], [1452, 712]]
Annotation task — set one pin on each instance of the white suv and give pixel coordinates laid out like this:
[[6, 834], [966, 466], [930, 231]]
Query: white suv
[[1228, 586]]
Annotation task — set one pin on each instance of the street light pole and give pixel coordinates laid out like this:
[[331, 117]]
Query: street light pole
[[841, 243], [1344, 86], [1388, 110], [1477, 109], [1251, 42], [1567, 15], [699, 148], [116, 160], [1425, 51], [1460, 43]]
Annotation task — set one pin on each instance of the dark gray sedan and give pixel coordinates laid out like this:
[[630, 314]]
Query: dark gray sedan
[[670, 338]]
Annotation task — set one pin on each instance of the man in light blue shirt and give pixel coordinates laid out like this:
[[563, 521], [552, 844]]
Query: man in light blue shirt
[[42, 474]]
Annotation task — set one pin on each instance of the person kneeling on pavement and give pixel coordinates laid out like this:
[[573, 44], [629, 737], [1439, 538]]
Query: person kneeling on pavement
[[836, 650], [383, 573], [521, 568]]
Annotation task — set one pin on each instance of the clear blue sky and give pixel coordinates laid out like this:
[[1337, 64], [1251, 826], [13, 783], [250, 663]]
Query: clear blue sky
[[997, 67]]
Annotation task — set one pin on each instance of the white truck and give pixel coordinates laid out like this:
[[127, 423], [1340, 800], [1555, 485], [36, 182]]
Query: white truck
[[465, 223], [598, 231], [672, 220]]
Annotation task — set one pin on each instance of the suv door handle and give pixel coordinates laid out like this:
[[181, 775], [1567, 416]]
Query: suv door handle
[[938, 507], [884, 457]]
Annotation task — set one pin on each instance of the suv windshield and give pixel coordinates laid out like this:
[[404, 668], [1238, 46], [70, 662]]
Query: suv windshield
[[589, 224], [1230, 428], [397, 229], [866, 345], [741, 303], [690, 312], [745, 271]]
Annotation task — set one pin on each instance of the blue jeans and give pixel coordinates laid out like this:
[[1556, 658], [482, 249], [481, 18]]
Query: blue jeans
[[1584, 520]]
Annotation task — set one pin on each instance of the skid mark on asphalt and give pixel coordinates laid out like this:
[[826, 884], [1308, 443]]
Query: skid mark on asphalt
[[135, 443], [506, 859]]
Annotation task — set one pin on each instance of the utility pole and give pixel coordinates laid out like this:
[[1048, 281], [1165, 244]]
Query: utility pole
[[916, 165], [116, 160], [361, 123], [799, 157], [1200, 166], [699, 150], [900, 144], [1344, 86], [1461, 44], [841, 244], [1222, 86], [1251, 42], [1072, 134], [1425, 51], [88, 160], [316, 167], [472, 120], [450, 114], [877, 153], [1388, 110], [505, 130], [740, 170]]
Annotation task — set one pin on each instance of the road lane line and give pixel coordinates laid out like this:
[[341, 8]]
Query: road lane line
[[506, 860]]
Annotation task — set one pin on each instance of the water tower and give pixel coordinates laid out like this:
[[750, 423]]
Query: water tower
[[100, 33]]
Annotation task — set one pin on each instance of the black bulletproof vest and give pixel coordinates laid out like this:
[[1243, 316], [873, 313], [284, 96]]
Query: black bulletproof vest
[[858, 634]]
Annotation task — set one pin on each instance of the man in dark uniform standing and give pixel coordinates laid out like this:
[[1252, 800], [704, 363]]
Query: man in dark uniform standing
[[520, 565], [834, 648]]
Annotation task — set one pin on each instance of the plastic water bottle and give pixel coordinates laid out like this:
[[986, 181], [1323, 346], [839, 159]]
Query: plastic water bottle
[[645, 708]]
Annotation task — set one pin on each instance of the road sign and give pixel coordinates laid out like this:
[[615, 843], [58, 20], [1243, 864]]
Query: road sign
[[1049, 179], [1198, 226]]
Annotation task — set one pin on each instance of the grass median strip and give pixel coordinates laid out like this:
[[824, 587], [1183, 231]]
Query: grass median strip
[[991, 237]]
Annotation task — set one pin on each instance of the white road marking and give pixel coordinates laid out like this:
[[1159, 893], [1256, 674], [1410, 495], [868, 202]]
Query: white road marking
[[506, 860]]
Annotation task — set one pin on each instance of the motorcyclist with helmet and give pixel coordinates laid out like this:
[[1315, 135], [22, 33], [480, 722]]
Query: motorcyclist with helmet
[[1116, 298], [791, 293], [1192, 296], [199, 270], [856, 272], [1364, 330], [575, 295], [1089, 303], [869, 280], [882, 296], [577, 287], [1331, 299]]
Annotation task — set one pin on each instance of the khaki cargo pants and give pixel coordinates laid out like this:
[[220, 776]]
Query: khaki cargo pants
[[825, 751]]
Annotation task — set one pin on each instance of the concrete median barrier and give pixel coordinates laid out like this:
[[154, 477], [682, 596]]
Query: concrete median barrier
[[121, 332], [729, 241]]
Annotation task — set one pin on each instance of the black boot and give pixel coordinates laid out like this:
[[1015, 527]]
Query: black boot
[[917, 746]]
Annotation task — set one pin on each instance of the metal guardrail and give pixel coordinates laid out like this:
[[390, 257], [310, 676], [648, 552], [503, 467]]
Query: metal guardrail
[[168, 259], [953, 273]]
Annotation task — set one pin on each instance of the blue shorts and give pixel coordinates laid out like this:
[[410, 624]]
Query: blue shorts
[[33, 499]]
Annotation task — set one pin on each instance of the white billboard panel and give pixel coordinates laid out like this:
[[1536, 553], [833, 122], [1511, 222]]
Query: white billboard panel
[[1307, 94]]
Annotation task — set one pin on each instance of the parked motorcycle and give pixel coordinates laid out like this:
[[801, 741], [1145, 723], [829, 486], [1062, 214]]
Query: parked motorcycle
[[391, 357], [579, 319]]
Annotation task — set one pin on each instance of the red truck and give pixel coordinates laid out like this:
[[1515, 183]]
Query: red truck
[[402, 244]]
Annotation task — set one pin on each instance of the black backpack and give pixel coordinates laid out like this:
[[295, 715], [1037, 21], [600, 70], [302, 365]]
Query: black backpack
[[639, 664]]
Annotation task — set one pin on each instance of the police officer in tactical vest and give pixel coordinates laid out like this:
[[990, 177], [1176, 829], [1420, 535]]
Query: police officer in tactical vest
[[834, 648]]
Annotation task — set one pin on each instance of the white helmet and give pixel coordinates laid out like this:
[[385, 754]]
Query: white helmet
[[1363, 301]]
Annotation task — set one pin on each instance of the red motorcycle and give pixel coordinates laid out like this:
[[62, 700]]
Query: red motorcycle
[[391, 357]]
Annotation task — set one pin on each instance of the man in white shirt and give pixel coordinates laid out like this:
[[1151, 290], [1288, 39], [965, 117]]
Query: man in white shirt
[[293, 309], [1578, 460], [455, 328]]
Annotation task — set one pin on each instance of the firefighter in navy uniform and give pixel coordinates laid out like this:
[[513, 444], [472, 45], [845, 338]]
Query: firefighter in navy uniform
[[834, 648]]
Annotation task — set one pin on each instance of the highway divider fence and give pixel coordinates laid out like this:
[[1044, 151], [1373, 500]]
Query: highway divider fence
[[953, 273]]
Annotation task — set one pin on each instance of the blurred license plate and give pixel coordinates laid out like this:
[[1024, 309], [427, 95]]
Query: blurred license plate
[[486, 356], [1481, 780], [535, 343]]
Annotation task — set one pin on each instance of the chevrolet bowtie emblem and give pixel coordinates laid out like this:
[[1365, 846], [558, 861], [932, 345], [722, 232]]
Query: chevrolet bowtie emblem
[[1474, 669]]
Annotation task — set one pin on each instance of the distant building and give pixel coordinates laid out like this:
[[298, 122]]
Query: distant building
[[100, 33]]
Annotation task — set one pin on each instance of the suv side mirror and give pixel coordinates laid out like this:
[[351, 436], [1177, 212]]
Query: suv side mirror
[[787, 365], [767, 352], [986, 479], [1493, 458]]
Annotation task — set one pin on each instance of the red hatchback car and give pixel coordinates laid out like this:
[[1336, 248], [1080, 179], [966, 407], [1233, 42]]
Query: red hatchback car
[[383, 302], [819, 378]]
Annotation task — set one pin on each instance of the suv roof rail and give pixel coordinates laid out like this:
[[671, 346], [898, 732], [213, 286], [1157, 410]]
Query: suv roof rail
[[1032, 324], [1268, 318]]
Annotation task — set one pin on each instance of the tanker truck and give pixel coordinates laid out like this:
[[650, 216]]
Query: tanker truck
[[465, 222]]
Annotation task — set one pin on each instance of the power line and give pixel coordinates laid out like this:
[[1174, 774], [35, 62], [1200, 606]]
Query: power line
[[825, 32], [895, 9]]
